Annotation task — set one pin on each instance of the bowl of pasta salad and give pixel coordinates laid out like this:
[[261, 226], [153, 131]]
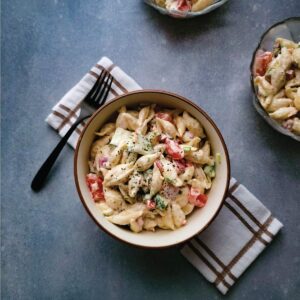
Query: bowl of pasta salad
[[275, 77], [185, 8], [151, 168]]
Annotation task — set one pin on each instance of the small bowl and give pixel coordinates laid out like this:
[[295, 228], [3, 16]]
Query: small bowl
[[186, 15], [289, 29], [200, 218]]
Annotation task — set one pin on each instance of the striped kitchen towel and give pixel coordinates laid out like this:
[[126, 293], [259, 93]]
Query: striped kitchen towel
[[67, 110], [242, 229]]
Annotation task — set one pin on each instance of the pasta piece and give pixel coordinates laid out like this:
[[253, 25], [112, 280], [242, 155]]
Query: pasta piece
[[188, 136], [178, 215], [125, 193], [156, 182], [264, 87], [146, 161], [98, 144], [143, 114], [105, 209], [188, 174], [144, 126], [118, 174], [149, 224], [291, 88], [167, 127], [116, 155], [296, 56], [296, 125], [127, 121], [194, 142], [286, 43], [182, 198], [193, 125], [297, 99], [134, 183], [137, 225], [180, 124], [166, 221], [134, 113], [107, 129], [169, 172], [125, 217], [160, 148], [201, 4], [278, 103], [283, 113], [188, 208], [113, 198], [198, 157], [200, 175], [197, 184]]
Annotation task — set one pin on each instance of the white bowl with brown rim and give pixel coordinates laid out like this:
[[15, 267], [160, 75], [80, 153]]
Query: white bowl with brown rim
[[200, 218]]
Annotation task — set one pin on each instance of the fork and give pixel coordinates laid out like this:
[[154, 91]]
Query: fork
[[93, 100]]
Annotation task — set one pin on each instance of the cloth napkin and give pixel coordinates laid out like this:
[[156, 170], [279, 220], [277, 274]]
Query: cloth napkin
[[242, 229]]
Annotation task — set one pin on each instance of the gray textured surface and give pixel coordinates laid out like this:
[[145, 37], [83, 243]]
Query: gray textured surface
[[50, 248]]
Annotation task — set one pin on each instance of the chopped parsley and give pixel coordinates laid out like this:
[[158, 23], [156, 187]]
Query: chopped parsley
[[160, 202]]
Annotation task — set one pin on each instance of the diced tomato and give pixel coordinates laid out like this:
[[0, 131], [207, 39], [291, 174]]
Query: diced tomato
[[159, 165], [150, 204], [95, 186], [180, 165], [262, 60], [98, 195], [164, 116], [195, 197], [201, 200], [174, 150], [184, 5]]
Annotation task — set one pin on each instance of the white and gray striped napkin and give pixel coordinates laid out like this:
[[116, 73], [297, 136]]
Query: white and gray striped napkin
[[241, 231]]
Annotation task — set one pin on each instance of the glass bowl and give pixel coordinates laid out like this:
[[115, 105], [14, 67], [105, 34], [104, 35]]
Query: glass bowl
[[289, 29], [185, 14]]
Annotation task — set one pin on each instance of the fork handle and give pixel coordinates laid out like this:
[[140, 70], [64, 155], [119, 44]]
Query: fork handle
[[41, 175]]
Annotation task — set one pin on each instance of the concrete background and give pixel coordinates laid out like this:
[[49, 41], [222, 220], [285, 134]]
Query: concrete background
[[50, 248]]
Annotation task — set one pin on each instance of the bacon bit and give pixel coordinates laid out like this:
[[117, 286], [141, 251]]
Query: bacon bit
[[150, 204], [102, 161], [159, 165], [164, 116], [163, 138], [261, 62], [290, 74], [180, 165], [184, 5]]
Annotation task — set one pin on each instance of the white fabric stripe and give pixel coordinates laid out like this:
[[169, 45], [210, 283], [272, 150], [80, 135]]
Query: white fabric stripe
[[260, 212], [198, 263], [222, 288], [207, 256], [243, 214]]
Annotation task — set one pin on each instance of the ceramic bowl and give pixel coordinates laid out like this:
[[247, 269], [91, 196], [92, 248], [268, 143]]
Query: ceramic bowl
[[289, 29], [186, 15], [200, 218]]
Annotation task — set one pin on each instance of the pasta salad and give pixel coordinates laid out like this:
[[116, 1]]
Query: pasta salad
[[277, 81], [184, 5], [150, 168]]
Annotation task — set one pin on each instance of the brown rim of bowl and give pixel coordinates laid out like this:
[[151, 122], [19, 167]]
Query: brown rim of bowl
[[184, 100]]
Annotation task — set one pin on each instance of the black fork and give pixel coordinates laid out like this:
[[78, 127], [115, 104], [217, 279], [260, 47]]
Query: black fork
[[93, 100]]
